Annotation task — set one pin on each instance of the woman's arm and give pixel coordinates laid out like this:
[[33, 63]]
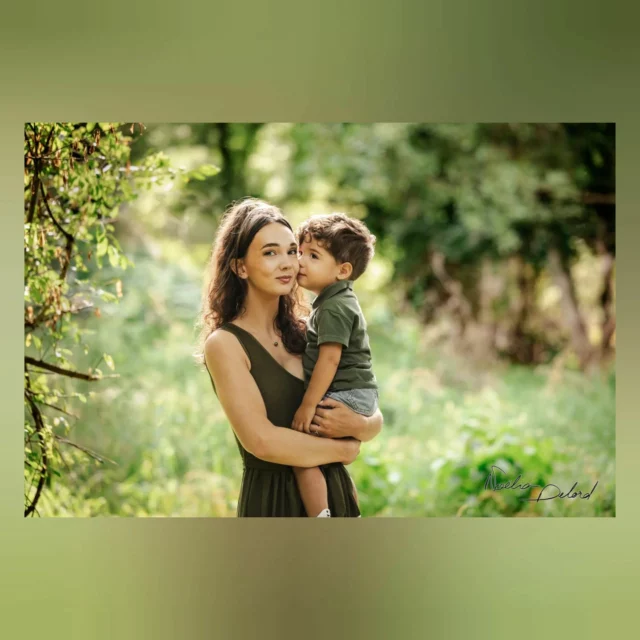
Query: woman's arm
[[242, 403], [338, 421]]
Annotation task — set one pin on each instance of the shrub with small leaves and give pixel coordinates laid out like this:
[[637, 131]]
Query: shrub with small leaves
[[76, 176], [493, 471]]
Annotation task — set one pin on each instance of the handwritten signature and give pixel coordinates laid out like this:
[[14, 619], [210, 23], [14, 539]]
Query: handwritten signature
[[493, 484]]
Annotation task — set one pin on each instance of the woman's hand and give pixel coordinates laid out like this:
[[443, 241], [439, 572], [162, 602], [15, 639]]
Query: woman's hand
[[336, 420]]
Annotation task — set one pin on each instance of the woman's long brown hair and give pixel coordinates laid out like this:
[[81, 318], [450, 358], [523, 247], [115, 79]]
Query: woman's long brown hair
[[224, 295]]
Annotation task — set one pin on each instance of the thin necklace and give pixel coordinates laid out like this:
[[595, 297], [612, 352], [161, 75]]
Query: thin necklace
[[275, 342]]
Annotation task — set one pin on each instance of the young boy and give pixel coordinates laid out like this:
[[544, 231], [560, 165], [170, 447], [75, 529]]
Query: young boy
[[334, 251]]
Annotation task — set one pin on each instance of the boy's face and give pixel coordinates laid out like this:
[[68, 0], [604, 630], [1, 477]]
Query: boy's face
[[318, 268]]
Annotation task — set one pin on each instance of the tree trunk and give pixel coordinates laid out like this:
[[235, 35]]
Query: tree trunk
[[490, 288], [521, 345], [561, 272], [234, 161], [606, 300], [457, 302], [227, 170]]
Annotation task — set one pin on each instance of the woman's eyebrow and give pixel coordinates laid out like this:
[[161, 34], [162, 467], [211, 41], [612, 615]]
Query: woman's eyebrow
[[275, 244]]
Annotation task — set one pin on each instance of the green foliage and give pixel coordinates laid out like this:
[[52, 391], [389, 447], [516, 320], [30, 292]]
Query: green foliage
[[159, 421], [439, 462], [486, 452], [447, 200], [447, 420], [77, 176], [226, 148]]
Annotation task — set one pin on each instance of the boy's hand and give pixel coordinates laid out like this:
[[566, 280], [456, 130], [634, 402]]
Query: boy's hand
[[302, 419]]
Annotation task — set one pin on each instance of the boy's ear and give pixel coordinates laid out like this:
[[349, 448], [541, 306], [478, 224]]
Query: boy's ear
[[237, 266], [345, 270]]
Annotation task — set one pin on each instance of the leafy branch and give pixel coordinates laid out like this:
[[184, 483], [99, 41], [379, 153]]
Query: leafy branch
[[77, 175]]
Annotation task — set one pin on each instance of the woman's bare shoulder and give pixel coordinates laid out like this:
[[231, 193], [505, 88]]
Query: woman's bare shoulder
[[223, 344]]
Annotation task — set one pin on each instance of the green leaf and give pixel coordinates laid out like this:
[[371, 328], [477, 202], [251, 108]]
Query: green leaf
[[203, 172], [108, 360], [102, 248], [208, 170], [113, 256], [108, 297]]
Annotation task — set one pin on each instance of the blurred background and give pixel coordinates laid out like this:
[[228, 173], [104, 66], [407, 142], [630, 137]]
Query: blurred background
[[490, 304]]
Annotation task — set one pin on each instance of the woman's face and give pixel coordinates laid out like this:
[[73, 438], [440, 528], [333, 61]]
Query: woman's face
[[271, 262]]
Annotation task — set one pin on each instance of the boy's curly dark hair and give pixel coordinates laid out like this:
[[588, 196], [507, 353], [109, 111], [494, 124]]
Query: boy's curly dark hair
[[346, 239]]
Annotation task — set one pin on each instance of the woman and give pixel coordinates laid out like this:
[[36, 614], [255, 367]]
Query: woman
[[253, 339]]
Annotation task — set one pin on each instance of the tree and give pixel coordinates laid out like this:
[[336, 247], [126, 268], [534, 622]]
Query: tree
[[76, 178], [452, 203]]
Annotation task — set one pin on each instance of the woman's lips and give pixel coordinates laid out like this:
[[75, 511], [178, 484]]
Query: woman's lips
[[285, 279]]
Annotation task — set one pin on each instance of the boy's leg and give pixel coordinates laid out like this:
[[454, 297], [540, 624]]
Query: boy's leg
[[363, 401], [313, 489]]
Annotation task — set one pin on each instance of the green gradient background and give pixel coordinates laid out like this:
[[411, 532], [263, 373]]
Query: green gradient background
[[162, 578]]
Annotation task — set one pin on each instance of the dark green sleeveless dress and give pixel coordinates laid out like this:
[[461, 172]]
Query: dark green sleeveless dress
[[270, 489]]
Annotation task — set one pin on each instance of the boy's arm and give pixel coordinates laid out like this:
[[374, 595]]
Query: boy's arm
[[323, 374]]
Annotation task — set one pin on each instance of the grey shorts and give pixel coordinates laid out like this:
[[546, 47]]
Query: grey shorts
[[363, 401]]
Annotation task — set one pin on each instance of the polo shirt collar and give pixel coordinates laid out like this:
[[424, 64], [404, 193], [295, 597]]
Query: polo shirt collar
[[331, 290]]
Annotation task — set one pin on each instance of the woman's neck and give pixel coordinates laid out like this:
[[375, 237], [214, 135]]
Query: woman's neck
[[260, 311]]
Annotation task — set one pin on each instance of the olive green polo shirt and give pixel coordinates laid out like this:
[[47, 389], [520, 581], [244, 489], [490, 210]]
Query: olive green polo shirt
[[337, 317]]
